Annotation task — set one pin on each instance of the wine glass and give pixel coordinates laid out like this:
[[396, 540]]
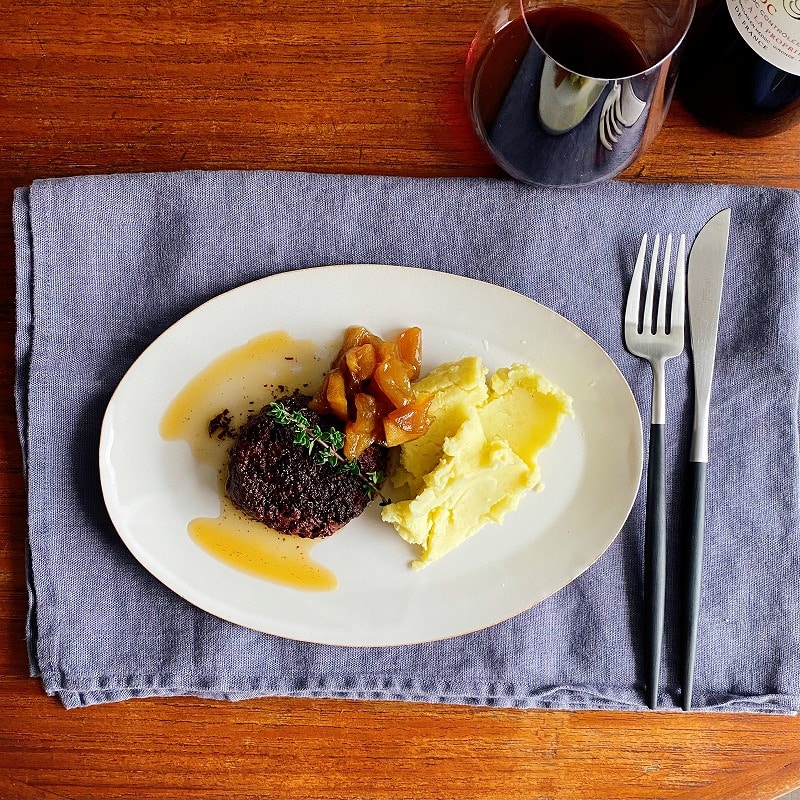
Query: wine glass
[[570, 93]]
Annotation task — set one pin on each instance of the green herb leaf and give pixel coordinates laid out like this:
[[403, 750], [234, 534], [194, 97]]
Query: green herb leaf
[[328, 444]]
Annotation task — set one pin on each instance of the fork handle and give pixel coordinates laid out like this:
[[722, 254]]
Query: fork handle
[[654, 561], [695, 561]]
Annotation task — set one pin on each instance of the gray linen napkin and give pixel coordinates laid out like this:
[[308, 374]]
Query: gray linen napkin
[[106, 263]]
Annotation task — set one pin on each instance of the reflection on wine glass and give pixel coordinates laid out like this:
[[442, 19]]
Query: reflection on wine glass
[[621, 108], [565, 98], [571, 94]]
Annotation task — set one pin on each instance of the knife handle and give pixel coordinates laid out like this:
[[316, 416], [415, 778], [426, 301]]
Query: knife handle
[[655, 535], [697, 483]]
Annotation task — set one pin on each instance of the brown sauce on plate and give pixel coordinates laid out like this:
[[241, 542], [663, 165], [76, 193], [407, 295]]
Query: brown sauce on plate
[[243, 381]]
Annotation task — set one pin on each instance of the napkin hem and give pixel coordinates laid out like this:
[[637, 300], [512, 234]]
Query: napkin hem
[[23, 243], [74, 693], [561, 698]]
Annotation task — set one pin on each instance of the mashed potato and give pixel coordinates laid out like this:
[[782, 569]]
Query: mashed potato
[[479, 457]]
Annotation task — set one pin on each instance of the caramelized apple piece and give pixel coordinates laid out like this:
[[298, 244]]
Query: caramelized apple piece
[[385, 405], [392, 378], [387, 350], [367, 419], [361, 362], [354, 336], [394, 436], [409, 346], [335, 395], [407, 423], [319, 402], [361, 432], [414, 418]]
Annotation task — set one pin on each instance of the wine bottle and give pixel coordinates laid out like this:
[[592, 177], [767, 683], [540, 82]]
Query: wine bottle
[[740, 71]]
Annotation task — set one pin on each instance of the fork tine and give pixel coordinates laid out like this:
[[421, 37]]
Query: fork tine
[[661, 319], [651, 286], [679, 289], [632, 307]]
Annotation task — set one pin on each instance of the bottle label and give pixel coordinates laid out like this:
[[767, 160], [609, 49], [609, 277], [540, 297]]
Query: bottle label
[[771, 28]]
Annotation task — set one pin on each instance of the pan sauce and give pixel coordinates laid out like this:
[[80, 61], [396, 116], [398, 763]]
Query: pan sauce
[[242, 381]]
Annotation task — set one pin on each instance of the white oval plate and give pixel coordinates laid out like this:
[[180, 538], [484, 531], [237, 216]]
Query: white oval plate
[[591, 473]]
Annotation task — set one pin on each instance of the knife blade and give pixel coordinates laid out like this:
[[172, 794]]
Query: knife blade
[[705, 277]]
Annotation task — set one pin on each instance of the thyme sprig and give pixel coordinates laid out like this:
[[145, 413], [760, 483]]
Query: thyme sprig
[[325, 446]]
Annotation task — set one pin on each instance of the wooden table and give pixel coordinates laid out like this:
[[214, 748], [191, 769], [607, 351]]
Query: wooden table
[[330, 86]]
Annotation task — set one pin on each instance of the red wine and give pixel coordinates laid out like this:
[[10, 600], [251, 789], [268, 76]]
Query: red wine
[[538, 89], [585, 42], [741, 67], [582, 41]]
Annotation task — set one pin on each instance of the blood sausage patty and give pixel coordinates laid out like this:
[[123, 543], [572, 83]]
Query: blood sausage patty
[[277, 482]]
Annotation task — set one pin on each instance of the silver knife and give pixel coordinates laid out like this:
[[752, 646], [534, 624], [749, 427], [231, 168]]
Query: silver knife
[[704, 286]]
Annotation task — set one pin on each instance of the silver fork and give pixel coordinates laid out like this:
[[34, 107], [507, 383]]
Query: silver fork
[[656, 334]]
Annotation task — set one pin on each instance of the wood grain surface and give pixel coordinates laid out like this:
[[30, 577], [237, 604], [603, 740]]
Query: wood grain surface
[[330, 86]]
